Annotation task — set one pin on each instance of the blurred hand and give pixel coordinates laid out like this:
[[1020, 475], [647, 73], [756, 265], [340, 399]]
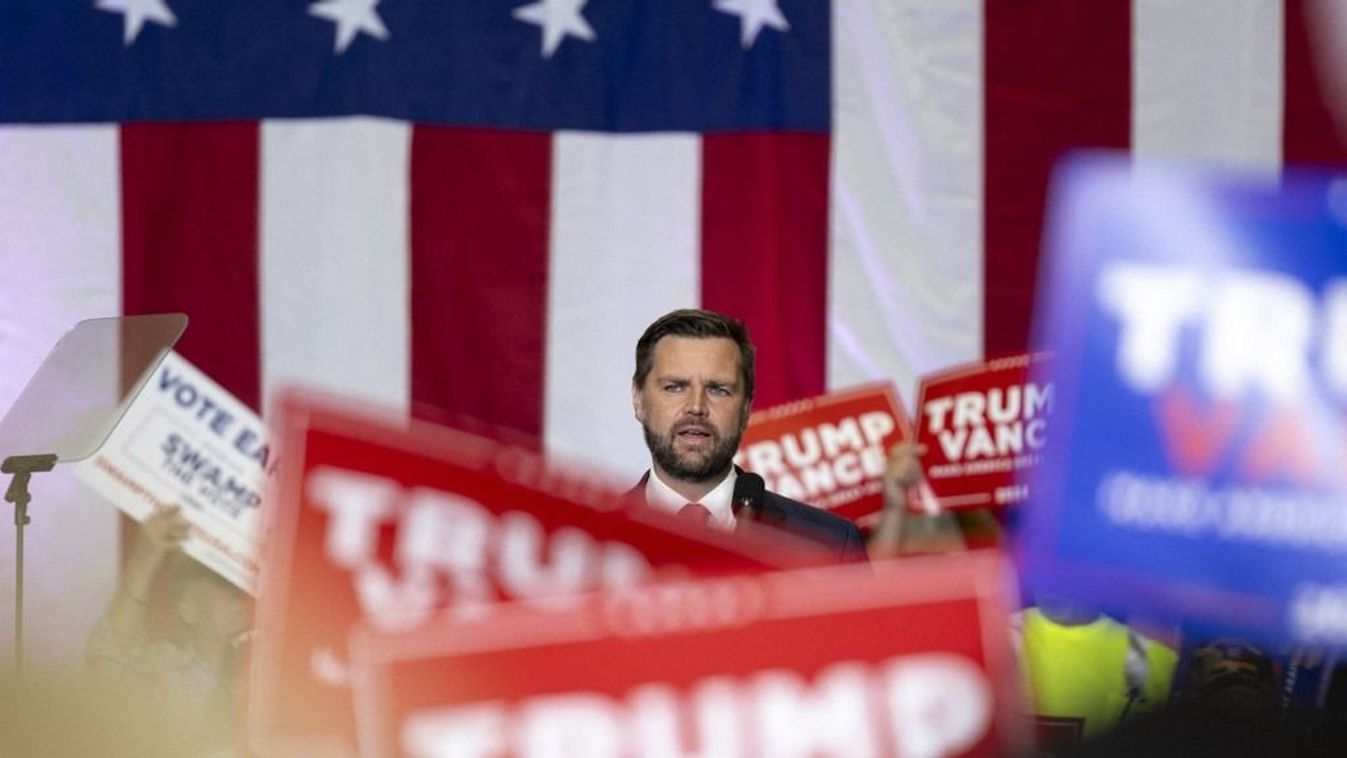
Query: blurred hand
[[901, 471], [165, 529]]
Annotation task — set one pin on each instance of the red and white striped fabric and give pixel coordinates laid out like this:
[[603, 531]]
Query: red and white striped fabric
[[508, 275]]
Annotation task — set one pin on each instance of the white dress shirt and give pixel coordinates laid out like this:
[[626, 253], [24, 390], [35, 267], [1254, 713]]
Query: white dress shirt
[[718, 501]]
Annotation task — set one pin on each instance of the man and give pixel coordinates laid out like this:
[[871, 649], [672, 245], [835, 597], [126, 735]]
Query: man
[[692, 391]]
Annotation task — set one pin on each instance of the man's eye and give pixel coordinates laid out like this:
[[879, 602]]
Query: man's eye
[[721, 391], [672, 387]]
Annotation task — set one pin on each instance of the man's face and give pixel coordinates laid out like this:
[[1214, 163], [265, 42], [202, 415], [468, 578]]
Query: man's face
[[692, 407]]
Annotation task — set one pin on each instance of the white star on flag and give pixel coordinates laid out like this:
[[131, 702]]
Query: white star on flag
[[351, 18], [753, 15], [135, 13], [558, 19]]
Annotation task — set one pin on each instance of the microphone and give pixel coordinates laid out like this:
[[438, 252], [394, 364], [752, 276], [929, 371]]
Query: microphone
[[748, 489]]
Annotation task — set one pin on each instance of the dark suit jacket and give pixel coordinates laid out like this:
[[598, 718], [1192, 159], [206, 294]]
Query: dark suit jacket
[[804, 521]]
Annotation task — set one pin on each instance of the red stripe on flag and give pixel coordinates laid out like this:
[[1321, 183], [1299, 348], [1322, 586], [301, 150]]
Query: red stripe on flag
[[1309, 133], [765, 252], [1057, 77], [480, 201], [189, 241]]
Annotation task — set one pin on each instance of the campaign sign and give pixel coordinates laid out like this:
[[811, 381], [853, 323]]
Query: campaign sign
[[393, 523], [1195, 471], [186, 441], [983, 426], [828, 451], [909, 659]]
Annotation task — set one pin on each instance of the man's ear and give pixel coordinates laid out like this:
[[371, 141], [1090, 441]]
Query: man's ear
[[637, 403]]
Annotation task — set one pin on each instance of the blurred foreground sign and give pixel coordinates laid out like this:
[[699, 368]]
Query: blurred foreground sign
[[828, 451], [1197, 469], [390, 524], [909, 659], [983, 426]]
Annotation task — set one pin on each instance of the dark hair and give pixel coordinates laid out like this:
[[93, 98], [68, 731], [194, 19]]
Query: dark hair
[[699, 324]]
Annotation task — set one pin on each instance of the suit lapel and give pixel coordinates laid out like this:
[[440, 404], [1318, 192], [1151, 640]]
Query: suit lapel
[[639, 489]]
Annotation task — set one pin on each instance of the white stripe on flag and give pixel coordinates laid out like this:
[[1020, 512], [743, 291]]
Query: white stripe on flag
[[905, 288], [1207, 81], [334, 262], [625, 242], [60, 240], [60, 262]]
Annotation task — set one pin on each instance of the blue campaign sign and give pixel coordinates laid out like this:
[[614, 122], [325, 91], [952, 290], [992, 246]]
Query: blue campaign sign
[[1197, 470]]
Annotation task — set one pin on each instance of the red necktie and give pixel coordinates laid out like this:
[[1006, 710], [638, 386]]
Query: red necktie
[[696, 513]]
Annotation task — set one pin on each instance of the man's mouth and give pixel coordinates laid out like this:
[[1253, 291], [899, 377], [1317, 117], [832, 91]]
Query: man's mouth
[[693, 434]]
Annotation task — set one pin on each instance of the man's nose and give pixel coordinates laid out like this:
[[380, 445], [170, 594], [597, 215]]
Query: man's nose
[[697, 404]]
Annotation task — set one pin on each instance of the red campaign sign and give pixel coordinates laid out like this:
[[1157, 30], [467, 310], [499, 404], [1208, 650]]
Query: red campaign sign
[[391, 524], [983, 426], [828, 451], [907, 659]]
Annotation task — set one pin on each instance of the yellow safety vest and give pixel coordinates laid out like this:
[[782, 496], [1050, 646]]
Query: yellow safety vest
[[1085, 679]]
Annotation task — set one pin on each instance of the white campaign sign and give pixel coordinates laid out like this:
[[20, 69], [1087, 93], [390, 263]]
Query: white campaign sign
[[187, 441]]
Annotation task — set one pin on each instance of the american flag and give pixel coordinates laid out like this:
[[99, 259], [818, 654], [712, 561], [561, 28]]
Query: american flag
[[475, 207]]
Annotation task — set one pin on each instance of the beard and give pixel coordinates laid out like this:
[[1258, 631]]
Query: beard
[[691, 466]]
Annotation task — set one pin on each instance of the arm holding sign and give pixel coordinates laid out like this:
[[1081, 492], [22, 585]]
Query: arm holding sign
[[124, 625], [901, 471], [164, 650], [900, 532]]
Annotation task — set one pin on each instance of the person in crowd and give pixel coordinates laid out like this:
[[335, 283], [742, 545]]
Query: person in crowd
[[1236, 698], [1232, 674], [170, 638], [1087, 673], [692, 391]]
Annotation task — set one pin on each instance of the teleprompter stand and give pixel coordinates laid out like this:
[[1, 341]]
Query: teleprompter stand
[[21, 467], [69, 407]]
